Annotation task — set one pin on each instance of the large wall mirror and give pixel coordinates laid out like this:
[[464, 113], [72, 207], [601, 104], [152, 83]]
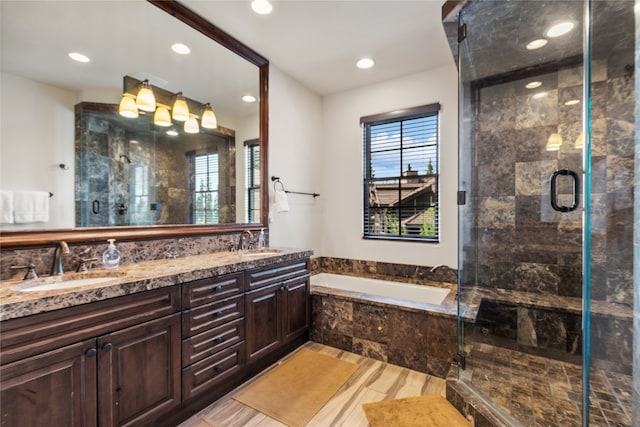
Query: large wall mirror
[[113, 175]]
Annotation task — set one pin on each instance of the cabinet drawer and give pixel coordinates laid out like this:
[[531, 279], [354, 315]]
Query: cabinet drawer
[[278, 273], [209, 316], [212, 289], [27, 336], [212, 341], [211, 371]]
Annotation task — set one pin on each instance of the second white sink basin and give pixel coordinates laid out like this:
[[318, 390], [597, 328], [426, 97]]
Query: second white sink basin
[[65, 282]]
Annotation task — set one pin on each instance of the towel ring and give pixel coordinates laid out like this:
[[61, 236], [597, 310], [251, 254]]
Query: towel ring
[[275, 185]]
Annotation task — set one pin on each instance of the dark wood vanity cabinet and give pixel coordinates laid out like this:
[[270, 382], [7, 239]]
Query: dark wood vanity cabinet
[[277, 307], [213, 332], [122, 367]]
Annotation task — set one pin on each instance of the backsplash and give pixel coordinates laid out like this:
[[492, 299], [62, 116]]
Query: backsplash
[[131, 252]]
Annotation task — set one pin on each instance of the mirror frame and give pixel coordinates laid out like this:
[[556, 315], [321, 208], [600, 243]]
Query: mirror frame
[[44, 237]]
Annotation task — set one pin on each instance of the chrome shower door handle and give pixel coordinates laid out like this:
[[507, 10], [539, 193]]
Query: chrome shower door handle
[[554, 192]]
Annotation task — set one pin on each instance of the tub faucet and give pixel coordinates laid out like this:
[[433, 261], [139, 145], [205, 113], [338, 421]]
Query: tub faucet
[[61, 249], [434, 268], [243, 244]]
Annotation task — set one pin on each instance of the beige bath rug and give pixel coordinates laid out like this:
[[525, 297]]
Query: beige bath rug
[[424, 411]]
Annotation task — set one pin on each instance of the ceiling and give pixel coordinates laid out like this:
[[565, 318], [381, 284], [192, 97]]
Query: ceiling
[[317, 42]]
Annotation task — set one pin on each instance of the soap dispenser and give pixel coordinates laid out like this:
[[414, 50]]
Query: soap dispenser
[[111, 257], [261, 240]]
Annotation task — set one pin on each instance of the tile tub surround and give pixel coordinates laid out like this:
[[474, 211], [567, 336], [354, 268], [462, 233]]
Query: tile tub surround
[[417, 336], [137, 277], [416, 274]]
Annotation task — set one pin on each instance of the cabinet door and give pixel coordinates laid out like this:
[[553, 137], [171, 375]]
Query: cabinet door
[[296, 312], [57, 388], [263, 318], [139, 372]]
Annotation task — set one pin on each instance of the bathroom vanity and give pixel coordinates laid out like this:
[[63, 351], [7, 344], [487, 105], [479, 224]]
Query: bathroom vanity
[[157, 343]]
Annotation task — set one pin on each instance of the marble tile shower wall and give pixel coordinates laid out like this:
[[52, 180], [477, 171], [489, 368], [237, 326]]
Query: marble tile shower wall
[[518, 242], [131, 252]]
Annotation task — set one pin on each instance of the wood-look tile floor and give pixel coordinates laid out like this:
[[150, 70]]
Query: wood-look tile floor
[[373, 381]]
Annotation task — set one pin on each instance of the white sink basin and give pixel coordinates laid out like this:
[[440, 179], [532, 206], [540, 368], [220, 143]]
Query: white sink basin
[[65, 282]]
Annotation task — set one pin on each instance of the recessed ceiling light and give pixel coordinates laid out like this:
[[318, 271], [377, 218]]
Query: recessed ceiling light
[[559, 29], [539, 95], [78, 57], [533, 85], [249, 98], [572, 102], [172, 132], [537, 44], [365, 63], [262, 7], [181, 48]]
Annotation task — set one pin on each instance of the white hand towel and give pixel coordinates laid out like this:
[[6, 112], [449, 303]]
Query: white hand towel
[[31, 206], [282, 204], [6, 207]]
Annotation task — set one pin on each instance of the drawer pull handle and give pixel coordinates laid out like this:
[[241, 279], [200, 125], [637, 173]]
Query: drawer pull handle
[[218, 288], [91, 352], [107, 347], [219, 340], [219, 314], [217, 368]]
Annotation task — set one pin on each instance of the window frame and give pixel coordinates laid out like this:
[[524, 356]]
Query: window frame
[[251, 147], [367, 122], [193, 156]]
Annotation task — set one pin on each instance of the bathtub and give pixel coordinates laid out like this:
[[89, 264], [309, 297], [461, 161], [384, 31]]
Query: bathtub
[[382, 288]]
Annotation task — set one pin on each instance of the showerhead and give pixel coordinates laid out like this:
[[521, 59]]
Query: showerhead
[[125, 157]]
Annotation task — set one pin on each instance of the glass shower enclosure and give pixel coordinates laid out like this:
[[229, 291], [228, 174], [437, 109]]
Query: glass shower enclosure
[[549, 162]]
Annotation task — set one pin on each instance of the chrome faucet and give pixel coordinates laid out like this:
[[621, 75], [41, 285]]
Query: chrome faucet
[[434, 268], [61, 249], [243, 244]]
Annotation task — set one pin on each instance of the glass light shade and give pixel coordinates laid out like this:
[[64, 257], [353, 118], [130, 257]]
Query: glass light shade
[[127, 107], [191, 126], [162, 117], [579, 141], [554, 142], [145, 100], [209, 120], [180, 109]]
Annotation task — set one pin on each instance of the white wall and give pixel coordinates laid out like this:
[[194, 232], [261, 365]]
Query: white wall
[[295, 155], [36, 135], [342, 160]]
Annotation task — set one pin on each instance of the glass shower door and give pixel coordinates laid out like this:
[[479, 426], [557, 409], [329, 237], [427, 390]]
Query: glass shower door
[[521, 225]]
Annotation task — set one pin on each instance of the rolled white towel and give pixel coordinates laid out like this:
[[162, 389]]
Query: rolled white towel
[[31, 206], [6, 207], [282, 203]]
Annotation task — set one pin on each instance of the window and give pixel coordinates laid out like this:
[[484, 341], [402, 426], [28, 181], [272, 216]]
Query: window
[[401, 174], [252, 181], [205, 188]]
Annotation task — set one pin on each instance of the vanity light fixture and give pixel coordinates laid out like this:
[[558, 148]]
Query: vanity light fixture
[[162, 117], [261, 7], [554, 142], [208, 119], [249, 99], [572, 102], [145, 100], [559, 29], [180, 48], [78, 57], [365, 63], [172, 132], [127, 107], [180, 109], [533, 85], [191, 125], [537, 44]]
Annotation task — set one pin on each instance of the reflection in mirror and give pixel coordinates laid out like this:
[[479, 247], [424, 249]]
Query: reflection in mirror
[[47, 98]]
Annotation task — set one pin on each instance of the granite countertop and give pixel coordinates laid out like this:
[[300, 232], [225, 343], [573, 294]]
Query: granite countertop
[[133, 278]]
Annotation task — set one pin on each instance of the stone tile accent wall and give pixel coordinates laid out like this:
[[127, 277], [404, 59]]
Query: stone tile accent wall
[[422, 341], [418, 274]]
